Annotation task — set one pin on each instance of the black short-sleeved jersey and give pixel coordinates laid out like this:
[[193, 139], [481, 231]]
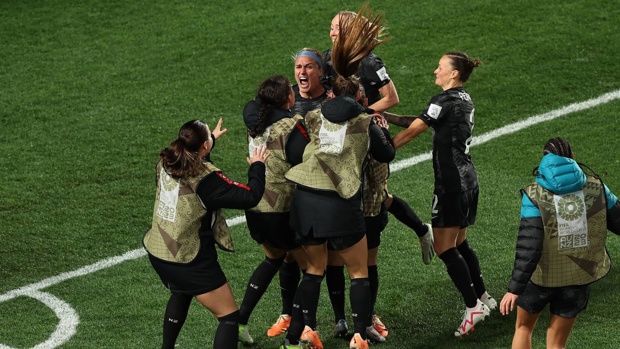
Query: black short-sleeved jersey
[[372, 74], [304, 105], [451, 116]]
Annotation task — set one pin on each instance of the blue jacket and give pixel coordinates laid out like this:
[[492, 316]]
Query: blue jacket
[[559, 175]]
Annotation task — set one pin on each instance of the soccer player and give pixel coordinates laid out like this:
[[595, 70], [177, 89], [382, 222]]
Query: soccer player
[[381, 95], [271, 123], [450, 114], [188, 224], [310, 92], [327, 205], [565, 215]]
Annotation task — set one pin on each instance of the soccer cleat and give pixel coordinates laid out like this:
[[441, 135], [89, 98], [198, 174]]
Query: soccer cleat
[[426, 243], [281, 326], [379, 326], [287, 345], [244, 335], [310, 339], [374, 336], [471, 317], [489, 301], [341, 330], [357, 342]]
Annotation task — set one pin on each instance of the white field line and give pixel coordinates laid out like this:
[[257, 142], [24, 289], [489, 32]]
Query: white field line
[[517, 126], [69, 318]]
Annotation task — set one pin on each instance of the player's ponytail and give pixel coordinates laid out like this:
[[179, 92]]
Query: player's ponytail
[[181, 158]]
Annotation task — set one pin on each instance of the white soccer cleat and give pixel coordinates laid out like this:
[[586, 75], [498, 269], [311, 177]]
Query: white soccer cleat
[[426, 243], [244, 335], [471, 317], [489, 301]]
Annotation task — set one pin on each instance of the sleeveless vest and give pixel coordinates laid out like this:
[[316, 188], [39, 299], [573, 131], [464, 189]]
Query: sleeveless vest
[[278, 191], [375, 193], [575, 226], [334, 158], [177, 217]]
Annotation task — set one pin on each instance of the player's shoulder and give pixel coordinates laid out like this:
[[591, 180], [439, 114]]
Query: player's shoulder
[[373, 60], [442, 98], [450, 96]]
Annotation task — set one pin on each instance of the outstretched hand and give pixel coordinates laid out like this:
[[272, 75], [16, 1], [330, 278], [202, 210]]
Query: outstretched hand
[[218, 131], [259, 154]]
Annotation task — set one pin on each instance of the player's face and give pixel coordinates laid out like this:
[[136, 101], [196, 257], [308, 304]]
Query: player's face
[[308, 77], [445, 74], [334, 29]]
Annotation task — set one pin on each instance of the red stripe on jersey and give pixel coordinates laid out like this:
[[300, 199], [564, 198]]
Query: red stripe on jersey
[[302, 130], [231, 182]]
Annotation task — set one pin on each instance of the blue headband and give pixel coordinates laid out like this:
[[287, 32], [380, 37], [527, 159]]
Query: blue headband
[[311, 55]]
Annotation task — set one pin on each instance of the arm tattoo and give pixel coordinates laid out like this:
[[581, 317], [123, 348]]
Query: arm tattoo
[[399, 120]]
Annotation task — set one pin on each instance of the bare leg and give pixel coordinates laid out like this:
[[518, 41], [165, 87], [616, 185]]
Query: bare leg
[[220, 301], [524, 327], [558, 331]]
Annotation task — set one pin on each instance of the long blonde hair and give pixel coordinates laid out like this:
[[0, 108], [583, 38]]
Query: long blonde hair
[[359, 35]]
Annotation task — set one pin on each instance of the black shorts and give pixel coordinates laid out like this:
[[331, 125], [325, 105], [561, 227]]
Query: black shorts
[[454, 209], [374, 227], [337, 243], [272, 229], [567, 301], [324, 214], [199, 276]]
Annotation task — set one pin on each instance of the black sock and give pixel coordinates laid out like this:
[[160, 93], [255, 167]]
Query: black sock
[[227, 332], [373, 279], [290, 275], [334, 276], [310, 288], [297, 321], [174, 318], [473, 264], [259, 281], [360, 304], [403, 212], [459, 273]]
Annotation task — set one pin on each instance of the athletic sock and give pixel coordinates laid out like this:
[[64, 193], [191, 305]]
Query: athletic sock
[[459, 273], [403, 212], [310, 288], [259, 281], [174, 318], [373, 279], [473, 264], [334, 276], [360, 304], [290, 275], [297, 321], [227, 332]]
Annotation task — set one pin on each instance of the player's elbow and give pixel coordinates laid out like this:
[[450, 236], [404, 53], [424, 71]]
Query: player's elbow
[[393, 100]]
